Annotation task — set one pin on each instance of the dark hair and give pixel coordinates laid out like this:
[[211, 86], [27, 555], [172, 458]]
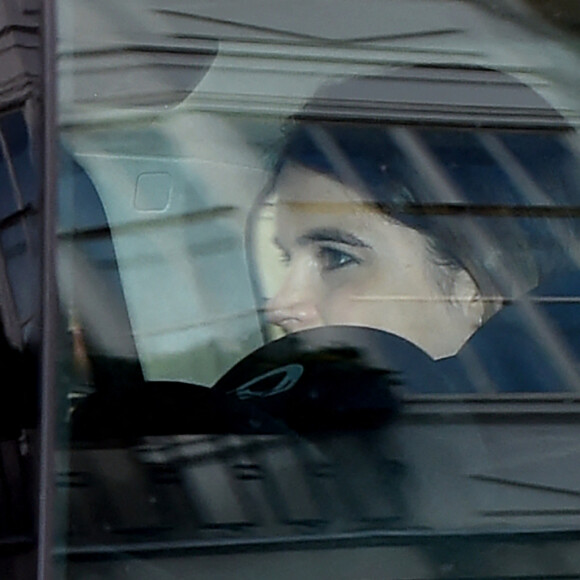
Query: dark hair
[[493, 200]]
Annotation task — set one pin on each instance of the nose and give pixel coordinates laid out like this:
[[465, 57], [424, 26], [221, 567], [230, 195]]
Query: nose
[[294, 306]]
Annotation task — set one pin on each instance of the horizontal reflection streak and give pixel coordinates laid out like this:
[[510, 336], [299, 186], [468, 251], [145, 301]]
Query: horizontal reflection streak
[[524, 484], [489, 210], [200, 324], [494, 299], [528, 211], [531, 512], [322, 42], [155, 222], [286, 33]]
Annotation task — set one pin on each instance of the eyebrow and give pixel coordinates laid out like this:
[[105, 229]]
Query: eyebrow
[[331, 235]]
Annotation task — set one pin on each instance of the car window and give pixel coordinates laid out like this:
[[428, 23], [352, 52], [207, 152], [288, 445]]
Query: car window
[[318, 279]]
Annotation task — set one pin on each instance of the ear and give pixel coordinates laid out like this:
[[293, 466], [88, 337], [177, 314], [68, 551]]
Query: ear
[[467, 297]]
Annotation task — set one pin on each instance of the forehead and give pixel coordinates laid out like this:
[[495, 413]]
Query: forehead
[[308, 202], [298, 187]]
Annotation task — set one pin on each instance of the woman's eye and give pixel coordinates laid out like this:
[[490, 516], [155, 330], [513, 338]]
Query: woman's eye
[[333, 259]]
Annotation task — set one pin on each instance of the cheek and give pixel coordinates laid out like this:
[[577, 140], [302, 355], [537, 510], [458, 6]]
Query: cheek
[[350, 300], [394, 299]]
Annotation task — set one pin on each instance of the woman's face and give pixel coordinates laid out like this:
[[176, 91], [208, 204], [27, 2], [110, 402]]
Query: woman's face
[[346, 263]]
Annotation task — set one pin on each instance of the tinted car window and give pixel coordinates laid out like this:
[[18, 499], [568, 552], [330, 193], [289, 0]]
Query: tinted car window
[[318, 289]]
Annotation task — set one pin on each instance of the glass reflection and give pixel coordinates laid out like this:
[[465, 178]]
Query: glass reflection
[[429, 234]]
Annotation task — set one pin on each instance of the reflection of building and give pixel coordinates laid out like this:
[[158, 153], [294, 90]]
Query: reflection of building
[[400, 502], [19, 102], [20, 82], [20, 41]]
